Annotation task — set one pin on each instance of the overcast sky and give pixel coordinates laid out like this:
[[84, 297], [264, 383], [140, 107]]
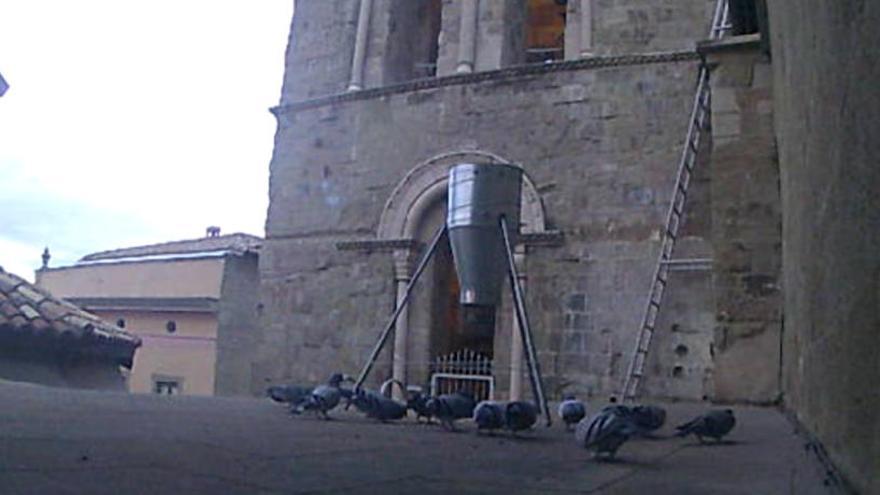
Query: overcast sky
[[130, 122]]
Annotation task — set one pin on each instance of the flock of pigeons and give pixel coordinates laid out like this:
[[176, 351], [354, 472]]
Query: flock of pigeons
[[602, 433]]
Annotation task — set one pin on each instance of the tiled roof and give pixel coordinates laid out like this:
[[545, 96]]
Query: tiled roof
[[30, 311], [237, 243]]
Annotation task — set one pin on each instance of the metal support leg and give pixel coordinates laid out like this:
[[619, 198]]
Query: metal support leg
[[387, 331], [524, 328]]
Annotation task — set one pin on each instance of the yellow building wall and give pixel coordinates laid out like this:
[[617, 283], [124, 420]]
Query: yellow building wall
[[189, 354], [165, 278]]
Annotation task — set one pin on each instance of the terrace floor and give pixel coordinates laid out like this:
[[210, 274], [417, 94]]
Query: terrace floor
[[76, 442]]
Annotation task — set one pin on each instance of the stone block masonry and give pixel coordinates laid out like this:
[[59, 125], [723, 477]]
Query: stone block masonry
[[600, 144]]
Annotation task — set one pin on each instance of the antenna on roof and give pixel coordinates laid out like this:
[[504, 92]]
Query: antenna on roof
[[212, 231]]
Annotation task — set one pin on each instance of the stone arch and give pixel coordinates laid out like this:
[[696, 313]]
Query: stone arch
[[427, 182], [409, 203]]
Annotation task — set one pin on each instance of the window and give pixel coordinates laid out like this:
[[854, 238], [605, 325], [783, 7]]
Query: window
[[545, 30], [166, 386], [412, 45], [171, 326], [744, 16], [429, 19]]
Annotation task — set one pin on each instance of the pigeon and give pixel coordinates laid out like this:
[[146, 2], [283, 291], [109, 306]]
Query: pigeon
[[451, 407], [571, 411], [648, 418], [605, 431], [714, 424], [519, 415], [377, 406], [324, 397], [617, 409], [489, 415], [418, 402], [292, 395]]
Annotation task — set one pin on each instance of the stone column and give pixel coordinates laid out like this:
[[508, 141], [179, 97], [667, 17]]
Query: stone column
[[360, 46], [573, 30], [585, 37], [517, 362], [467, 36], [402, 275]]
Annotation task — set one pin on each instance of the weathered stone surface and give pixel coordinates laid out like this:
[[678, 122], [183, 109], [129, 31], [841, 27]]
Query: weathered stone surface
[[825, 67]]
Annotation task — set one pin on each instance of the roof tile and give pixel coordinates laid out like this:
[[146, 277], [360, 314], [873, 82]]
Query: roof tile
[[8, 309], [18, 322], [8, 282], [25, 307], [29, 312], [31, 293], [52, 310]]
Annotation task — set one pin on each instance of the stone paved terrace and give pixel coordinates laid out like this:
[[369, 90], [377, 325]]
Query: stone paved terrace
[[55, 441]]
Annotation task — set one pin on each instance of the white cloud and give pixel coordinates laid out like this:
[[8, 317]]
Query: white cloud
[[129, 122]]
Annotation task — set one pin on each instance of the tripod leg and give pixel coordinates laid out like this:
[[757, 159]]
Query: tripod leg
[[524, 328], [387, 331]]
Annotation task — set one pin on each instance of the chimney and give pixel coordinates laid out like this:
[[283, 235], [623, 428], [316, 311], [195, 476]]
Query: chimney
[[212, 231]]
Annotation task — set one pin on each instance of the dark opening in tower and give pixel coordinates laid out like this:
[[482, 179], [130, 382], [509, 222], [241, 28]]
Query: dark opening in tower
[[412, 43], [458, 327], [430, 17], [545, 30]]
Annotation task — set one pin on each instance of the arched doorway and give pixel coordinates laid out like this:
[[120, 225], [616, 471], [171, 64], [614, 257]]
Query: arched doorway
[[434, 325]]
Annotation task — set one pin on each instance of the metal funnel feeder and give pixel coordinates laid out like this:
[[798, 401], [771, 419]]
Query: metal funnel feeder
[[479, 195]]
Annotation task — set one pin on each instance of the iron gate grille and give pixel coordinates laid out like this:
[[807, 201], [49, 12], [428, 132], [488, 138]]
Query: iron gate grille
[[463, 371]]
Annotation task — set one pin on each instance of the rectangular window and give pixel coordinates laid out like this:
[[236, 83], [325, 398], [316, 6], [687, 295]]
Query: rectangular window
[[545, 30], [167, 386]]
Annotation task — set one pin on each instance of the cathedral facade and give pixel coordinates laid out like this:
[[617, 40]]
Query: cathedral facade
[[593, 99]]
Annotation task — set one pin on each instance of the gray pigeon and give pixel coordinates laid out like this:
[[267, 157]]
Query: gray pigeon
[[449, 408], [292, 395], [324, 397], [714, 424], [648, 418], [418, 402], [571, 411], [519, 415], [489, 415], [606, 431], [377, 406]]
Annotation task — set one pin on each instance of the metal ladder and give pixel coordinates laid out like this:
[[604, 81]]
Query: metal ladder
[[699, 118]]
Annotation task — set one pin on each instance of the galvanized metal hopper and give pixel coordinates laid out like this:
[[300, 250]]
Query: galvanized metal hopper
[[479, 195]]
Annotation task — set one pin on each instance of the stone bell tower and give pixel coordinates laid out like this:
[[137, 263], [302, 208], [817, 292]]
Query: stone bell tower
[[591, 98]]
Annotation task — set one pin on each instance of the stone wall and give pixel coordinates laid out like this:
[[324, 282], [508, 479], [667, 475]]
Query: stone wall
[[601, 143], [638, 26], [746, 228], [320, 45], [237, 321], [323, 34], [826, 67]]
